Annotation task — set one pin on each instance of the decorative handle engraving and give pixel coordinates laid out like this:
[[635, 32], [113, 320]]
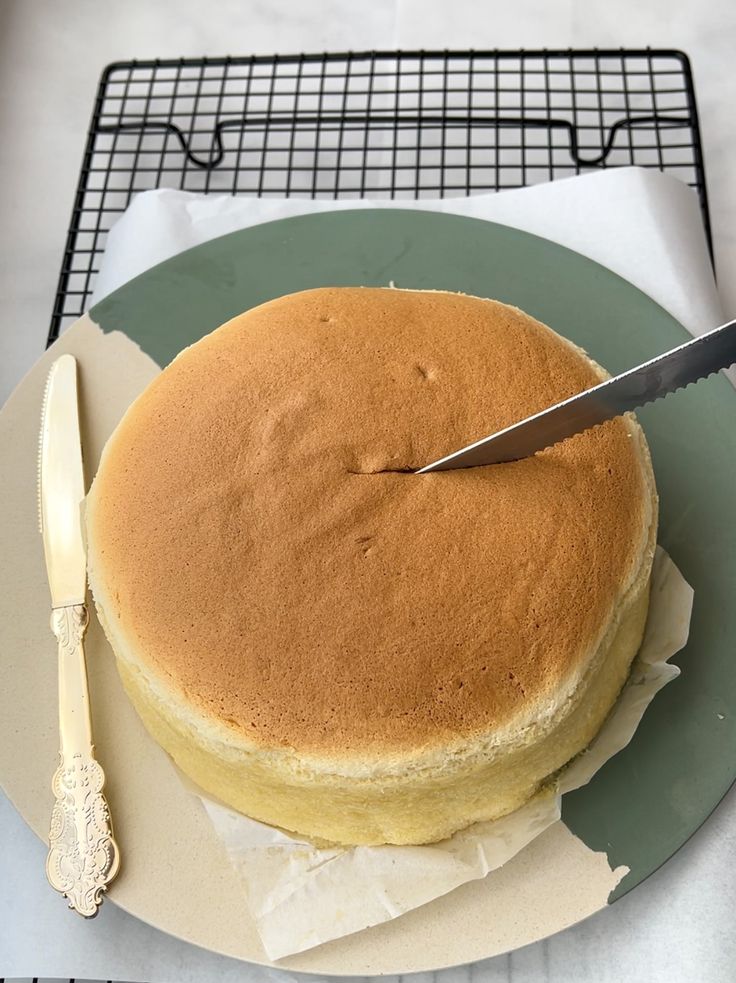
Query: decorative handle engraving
[[83, 856]]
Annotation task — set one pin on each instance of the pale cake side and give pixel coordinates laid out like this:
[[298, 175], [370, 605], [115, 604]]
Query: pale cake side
[[334, 646]]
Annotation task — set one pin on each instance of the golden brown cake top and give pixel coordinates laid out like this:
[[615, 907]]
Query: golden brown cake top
[[255, 539]]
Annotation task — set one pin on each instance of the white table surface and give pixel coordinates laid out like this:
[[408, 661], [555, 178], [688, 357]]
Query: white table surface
[[677, 926]]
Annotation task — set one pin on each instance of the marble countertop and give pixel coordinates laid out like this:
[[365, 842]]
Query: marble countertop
[[677, 926]]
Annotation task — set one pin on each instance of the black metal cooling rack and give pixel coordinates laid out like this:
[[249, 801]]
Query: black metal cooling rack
[[385, 125]]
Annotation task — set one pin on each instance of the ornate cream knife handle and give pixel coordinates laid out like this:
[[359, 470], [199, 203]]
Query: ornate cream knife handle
[[83, 856]]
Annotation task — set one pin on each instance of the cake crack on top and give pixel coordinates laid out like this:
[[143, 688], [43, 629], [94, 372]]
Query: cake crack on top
[[409, 469]]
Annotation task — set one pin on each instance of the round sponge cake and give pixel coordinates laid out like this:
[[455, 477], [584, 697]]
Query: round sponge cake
[[330, 643]]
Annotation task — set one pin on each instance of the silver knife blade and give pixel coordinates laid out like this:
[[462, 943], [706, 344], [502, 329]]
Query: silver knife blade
[[659, 376], [61, 486]]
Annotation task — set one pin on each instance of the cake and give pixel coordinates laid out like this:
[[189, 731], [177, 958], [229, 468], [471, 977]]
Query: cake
[[330, 643]]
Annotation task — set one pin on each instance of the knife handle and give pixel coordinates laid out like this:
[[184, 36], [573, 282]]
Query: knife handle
[[83, 856]]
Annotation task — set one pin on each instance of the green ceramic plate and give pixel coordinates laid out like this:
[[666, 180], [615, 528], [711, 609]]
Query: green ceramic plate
[[652, 796]]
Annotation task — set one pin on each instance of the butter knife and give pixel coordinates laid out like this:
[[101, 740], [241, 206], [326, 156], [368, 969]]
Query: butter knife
[[664, 374], [83, 857]]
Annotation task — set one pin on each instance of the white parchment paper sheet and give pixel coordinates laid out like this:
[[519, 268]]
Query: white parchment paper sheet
[[302, 896]]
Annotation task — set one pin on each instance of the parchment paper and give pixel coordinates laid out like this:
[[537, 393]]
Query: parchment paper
[[301, 896]]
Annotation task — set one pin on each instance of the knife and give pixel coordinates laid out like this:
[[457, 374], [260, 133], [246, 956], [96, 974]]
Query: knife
[[687, 363], [83, 857]]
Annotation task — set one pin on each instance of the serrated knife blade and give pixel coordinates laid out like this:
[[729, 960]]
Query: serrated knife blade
[[694, 360]]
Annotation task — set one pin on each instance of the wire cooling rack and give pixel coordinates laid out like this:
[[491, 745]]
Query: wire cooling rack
[[379, 124]]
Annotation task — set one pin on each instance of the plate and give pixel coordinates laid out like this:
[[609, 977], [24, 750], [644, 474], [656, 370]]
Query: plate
[[637, 810]]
